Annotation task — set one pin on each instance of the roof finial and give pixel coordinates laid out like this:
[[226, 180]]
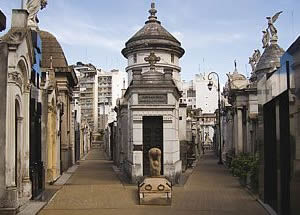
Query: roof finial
[[152, 12], [235, 66]]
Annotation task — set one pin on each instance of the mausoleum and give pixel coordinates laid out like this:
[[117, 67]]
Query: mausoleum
[[152, 99]]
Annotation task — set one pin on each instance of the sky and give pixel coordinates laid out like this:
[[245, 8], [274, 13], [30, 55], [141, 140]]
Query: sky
[[213, 33]]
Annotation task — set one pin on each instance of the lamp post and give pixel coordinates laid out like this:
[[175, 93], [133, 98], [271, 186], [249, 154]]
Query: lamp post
[[209, 85]]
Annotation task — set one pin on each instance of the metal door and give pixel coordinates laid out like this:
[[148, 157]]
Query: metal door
[[152, 137]]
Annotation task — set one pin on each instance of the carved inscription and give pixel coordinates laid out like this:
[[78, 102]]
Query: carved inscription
[[153, 99]]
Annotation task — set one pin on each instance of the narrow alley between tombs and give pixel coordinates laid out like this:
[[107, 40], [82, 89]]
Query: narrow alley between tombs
[[95, 188]]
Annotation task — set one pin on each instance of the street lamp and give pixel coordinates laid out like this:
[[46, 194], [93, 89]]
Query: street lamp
[[210, 85]]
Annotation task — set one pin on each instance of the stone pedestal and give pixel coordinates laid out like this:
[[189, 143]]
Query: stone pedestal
[[155, 191]]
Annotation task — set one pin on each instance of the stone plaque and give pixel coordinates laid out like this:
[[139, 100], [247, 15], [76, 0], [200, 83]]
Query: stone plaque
[[137, 147], [153, 99]]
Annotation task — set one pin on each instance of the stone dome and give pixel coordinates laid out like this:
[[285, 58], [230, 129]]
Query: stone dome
[[51, 47], [236, 80], [153, 35], [270, 58]]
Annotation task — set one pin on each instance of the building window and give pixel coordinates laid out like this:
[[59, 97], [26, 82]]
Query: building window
[[191, 93], [180, 118], [172, 58], [135, 58]]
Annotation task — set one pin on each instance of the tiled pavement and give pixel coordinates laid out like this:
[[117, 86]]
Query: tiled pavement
[[94, 188]]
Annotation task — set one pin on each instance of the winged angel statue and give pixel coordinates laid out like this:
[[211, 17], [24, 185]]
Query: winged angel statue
[[271, 29], [254, 59], [33, 7]]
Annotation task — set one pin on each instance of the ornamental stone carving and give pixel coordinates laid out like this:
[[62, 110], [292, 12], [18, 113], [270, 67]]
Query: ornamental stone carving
[[51, 108], [33, 7], [270, 34], [27, 87], [15, 77]]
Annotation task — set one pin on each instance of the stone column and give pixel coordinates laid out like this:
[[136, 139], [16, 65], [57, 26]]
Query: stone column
[[240, 130], [50, 145], [10, 138], [64, 132], [58, 142], [20, 153], [26, 178], [10, 183]]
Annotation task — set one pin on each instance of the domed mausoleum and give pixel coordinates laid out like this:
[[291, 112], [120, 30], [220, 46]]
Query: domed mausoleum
[[150, 117], [153, 37]]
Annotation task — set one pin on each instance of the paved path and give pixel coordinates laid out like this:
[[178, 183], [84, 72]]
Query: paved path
[[95, 189]]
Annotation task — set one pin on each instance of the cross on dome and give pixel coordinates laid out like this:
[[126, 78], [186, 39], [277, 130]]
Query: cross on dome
[[152, 59]]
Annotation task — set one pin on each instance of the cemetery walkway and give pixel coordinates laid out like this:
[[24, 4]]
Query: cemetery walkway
[[94, 188]]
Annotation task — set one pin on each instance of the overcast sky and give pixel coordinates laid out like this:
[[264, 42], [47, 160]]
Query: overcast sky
[[213, 32]]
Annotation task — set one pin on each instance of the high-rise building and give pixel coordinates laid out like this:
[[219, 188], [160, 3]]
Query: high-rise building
[[85, 93], [110, 86], [96, 94], [196, 94]]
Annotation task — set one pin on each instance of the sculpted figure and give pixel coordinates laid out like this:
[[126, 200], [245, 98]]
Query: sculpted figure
[[254, 59], [252, 63], [271, 26], [266, 38], [33, 7], [256, 55], [155, 161]]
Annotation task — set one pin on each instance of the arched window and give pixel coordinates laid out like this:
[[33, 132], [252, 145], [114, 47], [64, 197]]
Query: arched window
[[135, 58], [172, 58]]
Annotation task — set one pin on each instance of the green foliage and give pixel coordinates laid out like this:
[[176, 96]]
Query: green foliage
[[244, 165]]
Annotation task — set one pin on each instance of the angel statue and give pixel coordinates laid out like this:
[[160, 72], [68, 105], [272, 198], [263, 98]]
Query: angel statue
[[254, 59], [271, 26], [256, 55], [33, 7], [266, 38], [252, 63]]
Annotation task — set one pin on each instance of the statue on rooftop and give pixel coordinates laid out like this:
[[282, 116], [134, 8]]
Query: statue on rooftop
[[271, 27], [252, 63], [266, 38], [254, 59], [33, 7]]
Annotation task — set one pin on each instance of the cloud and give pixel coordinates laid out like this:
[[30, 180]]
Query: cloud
[[73, 31], [200, 39]]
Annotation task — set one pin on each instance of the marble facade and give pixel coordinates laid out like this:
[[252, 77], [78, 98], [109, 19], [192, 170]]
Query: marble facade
[[65, 79], [153, 94], [16, 62]]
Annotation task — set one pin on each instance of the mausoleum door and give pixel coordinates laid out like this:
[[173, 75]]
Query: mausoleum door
[[152, 137]]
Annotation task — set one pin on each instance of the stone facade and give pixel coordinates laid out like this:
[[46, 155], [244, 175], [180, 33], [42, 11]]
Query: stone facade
[[51, 127], [16, 61], [149, 110], [65, 79], [239, 116]]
